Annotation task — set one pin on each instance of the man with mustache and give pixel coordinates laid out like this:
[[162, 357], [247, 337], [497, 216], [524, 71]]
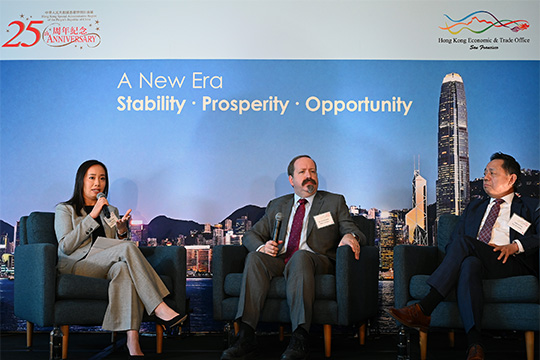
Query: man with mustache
[[315, 223]]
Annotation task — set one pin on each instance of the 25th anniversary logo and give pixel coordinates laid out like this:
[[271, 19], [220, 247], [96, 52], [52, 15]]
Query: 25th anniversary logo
[[55, 28]]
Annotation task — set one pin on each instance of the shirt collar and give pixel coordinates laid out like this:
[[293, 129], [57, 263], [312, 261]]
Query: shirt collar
[[507, 198], [309, 198]]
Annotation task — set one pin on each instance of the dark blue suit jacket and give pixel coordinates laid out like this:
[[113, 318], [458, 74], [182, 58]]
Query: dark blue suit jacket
[[527, 208]]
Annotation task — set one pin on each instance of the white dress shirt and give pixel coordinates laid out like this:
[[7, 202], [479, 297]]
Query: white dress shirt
[[303, 235], [500, 234]]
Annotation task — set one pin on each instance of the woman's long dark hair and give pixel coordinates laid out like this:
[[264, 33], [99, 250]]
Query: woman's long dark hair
[[77, 200]]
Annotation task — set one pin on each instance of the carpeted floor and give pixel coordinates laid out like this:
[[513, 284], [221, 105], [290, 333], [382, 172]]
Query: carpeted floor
[[499, 346]]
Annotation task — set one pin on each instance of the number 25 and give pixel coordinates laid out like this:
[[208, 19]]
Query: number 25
[[21, 29]]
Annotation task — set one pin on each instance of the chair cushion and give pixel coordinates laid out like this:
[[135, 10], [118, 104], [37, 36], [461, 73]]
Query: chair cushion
[[517, 289], [233, 283], [71, 286], [325, 286], [40, 228]]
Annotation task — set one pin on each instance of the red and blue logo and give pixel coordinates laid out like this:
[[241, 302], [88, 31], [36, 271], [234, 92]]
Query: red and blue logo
[[481, 21]]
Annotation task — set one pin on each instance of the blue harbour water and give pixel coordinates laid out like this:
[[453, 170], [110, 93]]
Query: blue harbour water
[[199, 293], [384, 324]]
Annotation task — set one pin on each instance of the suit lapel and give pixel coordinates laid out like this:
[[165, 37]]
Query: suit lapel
[[318, 202], [477, 220], [516, 208], [286, 214]]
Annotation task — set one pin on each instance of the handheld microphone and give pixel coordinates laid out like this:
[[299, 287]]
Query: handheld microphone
[[105, 208], [276, 227]]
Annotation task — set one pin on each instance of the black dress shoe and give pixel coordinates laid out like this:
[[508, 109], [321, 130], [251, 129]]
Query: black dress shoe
[[178, 320], [242, 349], [298, 348]]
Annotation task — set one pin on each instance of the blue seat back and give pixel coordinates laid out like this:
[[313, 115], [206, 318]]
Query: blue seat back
[[40, 228]]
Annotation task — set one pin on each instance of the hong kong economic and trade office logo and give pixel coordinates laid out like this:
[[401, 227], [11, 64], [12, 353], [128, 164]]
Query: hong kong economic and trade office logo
[[481, 21], [55, 28]]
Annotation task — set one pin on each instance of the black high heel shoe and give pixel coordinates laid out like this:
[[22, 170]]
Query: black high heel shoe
[[178, 320], [133, 357]]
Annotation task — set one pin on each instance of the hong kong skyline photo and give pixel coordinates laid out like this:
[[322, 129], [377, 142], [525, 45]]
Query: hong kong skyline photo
[[202, 166]]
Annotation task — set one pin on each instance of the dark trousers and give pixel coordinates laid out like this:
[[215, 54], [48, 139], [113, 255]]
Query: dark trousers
[[299, 273], [467, 262]]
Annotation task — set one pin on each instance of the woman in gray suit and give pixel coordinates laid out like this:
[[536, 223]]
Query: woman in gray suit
[[85, 226]]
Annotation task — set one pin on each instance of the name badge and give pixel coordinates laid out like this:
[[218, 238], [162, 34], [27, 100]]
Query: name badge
[[112, 220], [323, 220], [519, 224]]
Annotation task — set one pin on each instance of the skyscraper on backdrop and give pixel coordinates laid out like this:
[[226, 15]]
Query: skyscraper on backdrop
[[416, 218], [453, 192]]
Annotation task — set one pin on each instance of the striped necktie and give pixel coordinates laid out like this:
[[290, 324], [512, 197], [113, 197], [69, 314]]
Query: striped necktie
[[485, 233], [296, 230]]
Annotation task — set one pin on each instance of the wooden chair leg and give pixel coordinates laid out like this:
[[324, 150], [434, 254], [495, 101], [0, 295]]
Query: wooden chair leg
[[362, 334], [281, 332], [327, 340], [423, 345], [65, 338], [451, 338], [159, 339], [529, 344], [29, 333]]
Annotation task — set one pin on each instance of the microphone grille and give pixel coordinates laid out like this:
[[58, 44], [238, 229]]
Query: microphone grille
[[100, 195], [279, 216]]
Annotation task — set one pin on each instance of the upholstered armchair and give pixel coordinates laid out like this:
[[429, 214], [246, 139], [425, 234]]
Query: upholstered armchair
[[46, 298], [347, 298], [511, 303]]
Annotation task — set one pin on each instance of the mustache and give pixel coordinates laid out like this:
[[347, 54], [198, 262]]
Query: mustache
[[307, 181]]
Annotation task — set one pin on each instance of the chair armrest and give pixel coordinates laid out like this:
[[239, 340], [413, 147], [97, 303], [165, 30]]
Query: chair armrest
[[170, 261], [227, 259], [357, 284], [35, 283], [410, 260]]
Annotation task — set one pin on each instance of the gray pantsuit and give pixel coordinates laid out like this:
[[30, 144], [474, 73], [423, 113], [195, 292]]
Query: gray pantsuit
[[134, 286], [134, 283]]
